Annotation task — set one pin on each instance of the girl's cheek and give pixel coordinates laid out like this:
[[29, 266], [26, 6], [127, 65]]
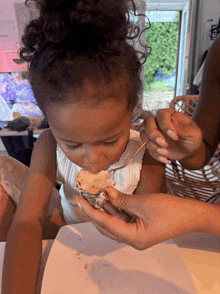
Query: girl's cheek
[[73, 156]]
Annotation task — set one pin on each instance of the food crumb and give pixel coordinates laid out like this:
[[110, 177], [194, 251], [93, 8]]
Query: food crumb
[[79, 257], [80, 239], [86, 266], [78, 253]]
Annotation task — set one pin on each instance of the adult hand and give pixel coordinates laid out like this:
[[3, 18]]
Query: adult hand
[[158, 217], [111, 209], [174, 138]]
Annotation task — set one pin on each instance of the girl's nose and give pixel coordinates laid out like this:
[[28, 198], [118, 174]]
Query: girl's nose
[[94, 159]]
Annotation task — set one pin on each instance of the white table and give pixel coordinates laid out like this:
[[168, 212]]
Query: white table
[[201, 253]]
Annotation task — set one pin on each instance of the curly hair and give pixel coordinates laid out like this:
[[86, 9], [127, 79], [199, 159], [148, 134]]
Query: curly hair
[[76, 40]]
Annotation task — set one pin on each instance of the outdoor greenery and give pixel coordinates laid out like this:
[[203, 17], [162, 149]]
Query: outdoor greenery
[[162, 37], [159, 85]]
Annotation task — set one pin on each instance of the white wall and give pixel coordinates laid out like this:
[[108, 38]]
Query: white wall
[[210, 14], [7, 9], [206, 13], [9, 23], [211, 11]]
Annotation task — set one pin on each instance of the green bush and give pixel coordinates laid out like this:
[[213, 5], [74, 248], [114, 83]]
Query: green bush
[[162, 37]]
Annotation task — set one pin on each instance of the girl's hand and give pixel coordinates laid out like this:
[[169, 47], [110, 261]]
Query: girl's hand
[[174, 138], [158, 217]]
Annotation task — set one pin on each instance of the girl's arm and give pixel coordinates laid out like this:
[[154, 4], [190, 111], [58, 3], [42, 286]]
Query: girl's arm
[[23, 251], [152, 175]]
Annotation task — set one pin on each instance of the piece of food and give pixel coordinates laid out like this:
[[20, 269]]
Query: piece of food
[[92, 187]]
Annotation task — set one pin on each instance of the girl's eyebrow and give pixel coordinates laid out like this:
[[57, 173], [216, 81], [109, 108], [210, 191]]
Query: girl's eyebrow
[[109, 138]]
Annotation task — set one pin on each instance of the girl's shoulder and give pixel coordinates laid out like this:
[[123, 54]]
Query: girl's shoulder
[[45, 148]]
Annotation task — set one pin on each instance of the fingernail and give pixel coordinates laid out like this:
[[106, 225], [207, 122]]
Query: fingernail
[[175, 121], [164, 160], [172, 135], [161, 142], [163, 152], [78, 203], [111, 192]]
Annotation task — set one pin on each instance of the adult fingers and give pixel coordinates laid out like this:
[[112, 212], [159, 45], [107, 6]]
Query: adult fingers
[[166, 123], [133, 233], [129, 203], [110, 208], [97, 215], [157, 129], [158, 152], [152, 133], [118, 228], [157, 144]]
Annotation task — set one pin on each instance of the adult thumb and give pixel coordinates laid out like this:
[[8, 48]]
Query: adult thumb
[[119, 199]]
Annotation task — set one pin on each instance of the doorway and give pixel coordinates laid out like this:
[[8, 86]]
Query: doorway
[[161, 65], [165, 68]]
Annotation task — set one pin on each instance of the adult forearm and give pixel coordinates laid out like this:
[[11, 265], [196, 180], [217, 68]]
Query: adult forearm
[[213, 219], [22, 259]]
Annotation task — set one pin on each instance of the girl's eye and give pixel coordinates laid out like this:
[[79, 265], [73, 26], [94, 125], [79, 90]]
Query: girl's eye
[[72, 147], [111, 143], [69, 147]]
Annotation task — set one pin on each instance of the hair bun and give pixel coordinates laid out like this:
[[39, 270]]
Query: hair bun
[[84, 24]]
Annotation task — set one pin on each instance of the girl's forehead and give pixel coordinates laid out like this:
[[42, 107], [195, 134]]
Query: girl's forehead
[[96, 93], [86, 121]]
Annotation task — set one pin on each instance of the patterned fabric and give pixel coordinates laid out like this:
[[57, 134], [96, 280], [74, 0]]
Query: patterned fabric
[[126, 178]]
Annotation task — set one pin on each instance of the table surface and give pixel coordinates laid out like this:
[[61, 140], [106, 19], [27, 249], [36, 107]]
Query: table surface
[[93, 263], [200, 251]]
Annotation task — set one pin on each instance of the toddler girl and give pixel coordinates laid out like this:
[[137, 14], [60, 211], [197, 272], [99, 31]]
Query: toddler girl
[[85, 78]]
